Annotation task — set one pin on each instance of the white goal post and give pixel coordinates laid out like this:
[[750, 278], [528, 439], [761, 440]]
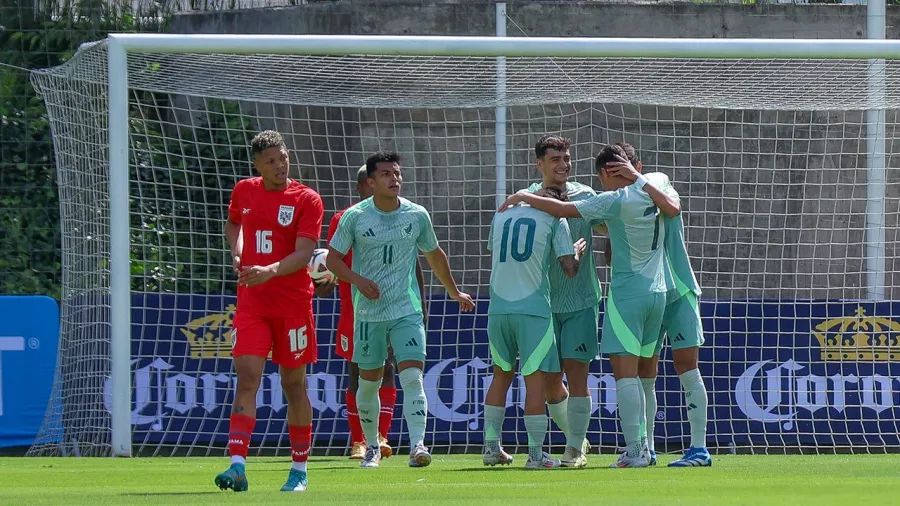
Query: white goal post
[[669, 79]]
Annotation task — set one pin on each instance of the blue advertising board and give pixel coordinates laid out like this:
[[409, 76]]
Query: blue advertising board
[[805, 372], [29, 338]]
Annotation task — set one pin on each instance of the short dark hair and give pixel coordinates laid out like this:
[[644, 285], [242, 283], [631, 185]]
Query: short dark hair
[[382, 155], [551, 141], [265, 140], [609, 152], [555, 193]]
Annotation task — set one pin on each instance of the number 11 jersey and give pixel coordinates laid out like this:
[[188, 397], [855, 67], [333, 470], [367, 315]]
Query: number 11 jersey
[[385, 250], [523, 241]]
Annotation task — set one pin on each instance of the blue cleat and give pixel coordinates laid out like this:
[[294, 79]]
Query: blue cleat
[[234, 478], [652, 458], [296, 482], [695, 457]]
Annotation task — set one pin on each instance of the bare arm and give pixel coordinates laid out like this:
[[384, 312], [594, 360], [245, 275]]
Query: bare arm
[[299, 258], [550, 206], [335, 263], [420, 279], [666, 204], [437, 259], [236, 242], [570, 263]]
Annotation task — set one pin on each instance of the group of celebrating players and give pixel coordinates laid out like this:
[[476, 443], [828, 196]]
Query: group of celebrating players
[[543, 313]]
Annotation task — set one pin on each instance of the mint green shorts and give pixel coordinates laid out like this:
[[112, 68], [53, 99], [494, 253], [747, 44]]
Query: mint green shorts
[[406, 336], [631, 327], [681, 322], [576, 334], [526, 336]]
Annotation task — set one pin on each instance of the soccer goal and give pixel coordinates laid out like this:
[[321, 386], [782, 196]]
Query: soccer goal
[[780, 149]]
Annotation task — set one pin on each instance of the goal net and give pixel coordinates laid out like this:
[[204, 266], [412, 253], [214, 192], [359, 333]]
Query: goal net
[[791, 223]]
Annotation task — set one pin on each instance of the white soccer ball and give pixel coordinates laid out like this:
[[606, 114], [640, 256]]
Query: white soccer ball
[[316, 267]]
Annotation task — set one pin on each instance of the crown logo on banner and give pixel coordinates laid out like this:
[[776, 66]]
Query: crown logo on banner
[[210, 336], [859, 338]]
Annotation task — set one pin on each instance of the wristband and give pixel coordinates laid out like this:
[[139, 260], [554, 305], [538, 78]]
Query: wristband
[[641, 180]]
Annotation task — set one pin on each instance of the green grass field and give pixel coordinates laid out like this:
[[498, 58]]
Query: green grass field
[[853, 480]]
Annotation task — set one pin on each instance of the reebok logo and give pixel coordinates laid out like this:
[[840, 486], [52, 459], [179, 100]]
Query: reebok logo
[[369, 233], [581, 348], [412, 342], [246, 210]]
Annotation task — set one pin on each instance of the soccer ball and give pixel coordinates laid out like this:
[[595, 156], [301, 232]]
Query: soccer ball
[[316, 267]]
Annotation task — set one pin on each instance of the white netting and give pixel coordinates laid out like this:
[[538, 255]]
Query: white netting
[[769, 157]]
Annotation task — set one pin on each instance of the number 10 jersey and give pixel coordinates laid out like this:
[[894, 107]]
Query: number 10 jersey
[[523, 241]]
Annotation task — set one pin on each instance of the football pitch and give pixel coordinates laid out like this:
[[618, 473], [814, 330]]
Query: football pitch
[[458, 479]]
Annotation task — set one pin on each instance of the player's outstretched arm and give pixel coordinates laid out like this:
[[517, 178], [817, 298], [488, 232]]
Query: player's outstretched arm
[[437, 259], [550, 206], [335, 263]]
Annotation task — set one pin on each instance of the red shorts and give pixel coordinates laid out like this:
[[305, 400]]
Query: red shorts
[[292, 341], [343, 339]]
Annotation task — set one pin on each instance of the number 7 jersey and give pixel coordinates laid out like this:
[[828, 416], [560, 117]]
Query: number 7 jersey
[[523, 241]]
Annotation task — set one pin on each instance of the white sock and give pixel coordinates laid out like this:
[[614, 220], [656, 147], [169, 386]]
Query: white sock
[[630, 397], [559, 413], [368, 404], [697, 404], [299, 466], [415, 404], [237, 459], [649, 385]]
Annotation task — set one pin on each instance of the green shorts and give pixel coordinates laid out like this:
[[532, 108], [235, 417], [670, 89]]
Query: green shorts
[[681, 321], [406, 335], [576, 334], [631, 327], [529, 337]]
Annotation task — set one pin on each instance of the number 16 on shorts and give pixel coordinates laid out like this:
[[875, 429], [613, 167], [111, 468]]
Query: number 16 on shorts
[[298, 339]]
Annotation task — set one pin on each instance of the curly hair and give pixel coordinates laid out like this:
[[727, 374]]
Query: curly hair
[[265, 140]]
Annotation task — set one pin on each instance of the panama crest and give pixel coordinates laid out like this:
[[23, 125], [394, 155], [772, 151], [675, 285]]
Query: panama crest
[[285, 215]]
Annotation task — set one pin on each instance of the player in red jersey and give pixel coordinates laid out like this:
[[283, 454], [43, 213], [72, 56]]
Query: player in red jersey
[[273, 226], [344, 345]]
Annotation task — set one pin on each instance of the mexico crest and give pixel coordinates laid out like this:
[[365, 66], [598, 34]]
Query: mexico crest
[[285, 215]]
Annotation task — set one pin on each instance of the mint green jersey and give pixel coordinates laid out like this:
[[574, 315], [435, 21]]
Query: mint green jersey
[[683, 280], [637, 239], [523, 242], [385, 250], [568, 295]]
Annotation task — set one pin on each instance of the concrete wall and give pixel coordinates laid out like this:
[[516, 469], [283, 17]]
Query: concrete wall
[[775, 203]]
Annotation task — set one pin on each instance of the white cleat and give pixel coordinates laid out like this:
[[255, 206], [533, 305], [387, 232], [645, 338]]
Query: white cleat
[[492, 458], [545, 463], [625, 461], [419, 457], [586, 447], [372, 457], [573, 457]]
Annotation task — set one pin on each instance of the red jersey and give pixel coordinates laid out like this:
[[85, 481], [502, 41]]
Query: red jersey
[[345, 321], [271, 222]]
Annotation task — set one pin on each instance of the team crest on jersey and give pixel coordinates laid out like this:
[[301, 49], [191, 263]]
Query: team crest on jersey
[[285, 215]]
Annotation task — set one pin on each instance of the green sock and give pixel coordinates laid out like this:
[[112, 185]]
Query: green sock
[[649, 385], [536, 426], [493, 426], [559, 412], [579, 417], [630, 395]]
